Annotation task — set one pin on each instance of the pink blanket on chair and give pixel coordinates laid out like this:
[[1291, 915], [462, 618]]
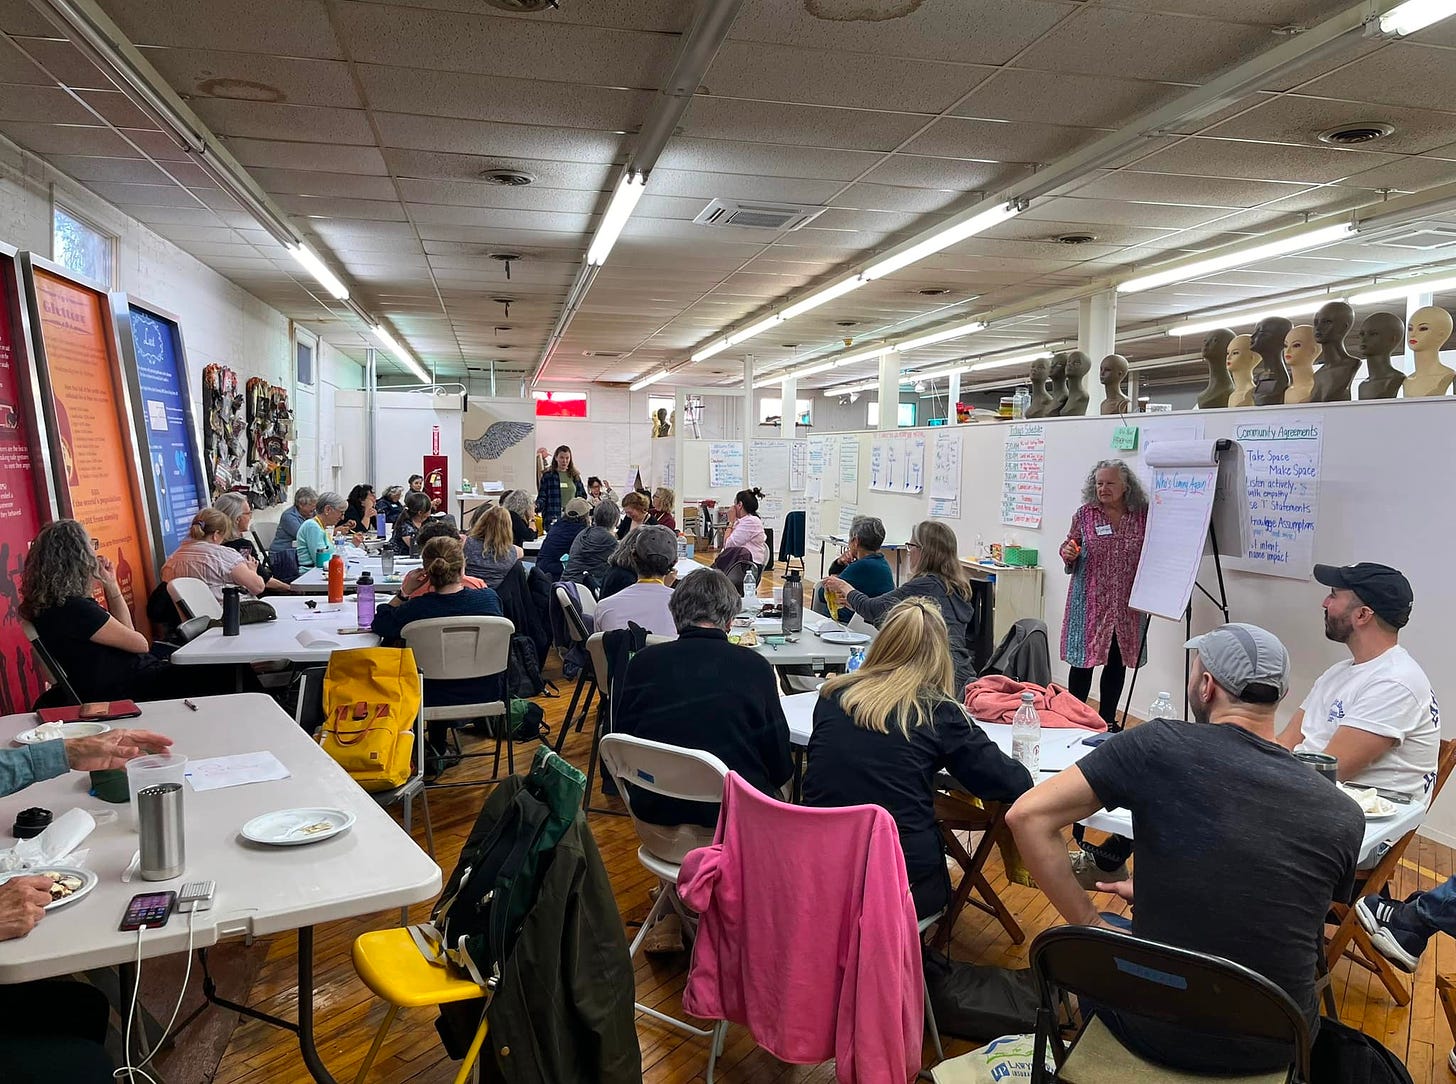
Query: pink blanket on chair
[[995, 698]]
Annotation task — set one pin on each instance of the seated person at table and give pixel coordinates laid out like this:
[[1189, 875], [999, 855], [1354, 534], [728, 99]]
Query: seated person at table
[[936, 574], [359, 514], [202, 556], [592, 546], [54, 1030], [1240, 847], [862, 566], [102, 653], [635, 509], [701, 692], [558, 540], [489, 553], [443, 527], [240, 536], [435, 590], [746, 540], [883, 732], [598, 490], [391, 504], [621, 567], [417, 485], [1375, 711], [653, 554], [523, 515], [315, 542], [416, 513], [659, 511], [305, 504]]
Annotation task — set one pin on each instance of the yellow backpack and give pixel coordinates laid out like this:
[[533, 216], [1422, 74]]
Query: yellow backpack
[[371, 697]]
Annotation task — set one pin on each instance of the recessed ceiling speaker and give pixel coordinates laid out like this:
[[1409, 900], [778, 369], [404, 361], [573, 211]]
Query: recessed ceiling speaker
[[933, 291], [1075, 238], [524, 6], [506, 178], [1351, 135]]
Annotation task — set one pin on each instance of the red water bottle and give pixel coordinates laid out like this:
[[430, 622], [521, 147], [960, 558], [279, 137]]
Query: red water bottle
[[336, 578]]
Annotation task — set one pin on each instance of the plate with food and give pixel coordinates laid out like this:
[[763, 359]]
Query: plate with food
[[844, 636], [68, 883], [51, 731], [296, 827], [1371, 802], [746, 638]]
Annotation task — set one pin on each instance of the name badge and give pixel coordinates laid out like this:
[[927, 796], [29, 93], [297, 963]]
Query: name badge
[[1104, 530]]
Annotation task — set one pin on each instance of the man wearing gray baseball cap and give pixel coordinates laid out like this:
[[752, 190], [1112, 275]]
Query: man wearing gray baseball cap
[[1240, 847], [1374, 712]]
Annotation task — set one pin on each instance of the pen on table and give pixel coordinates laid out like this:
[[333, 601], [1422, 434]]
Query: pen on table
[[189, 705]]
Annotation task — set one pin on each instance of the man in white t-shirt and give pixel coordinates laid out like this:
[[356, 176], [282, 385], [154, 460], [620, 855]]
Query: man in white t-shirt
[[1375, 712]]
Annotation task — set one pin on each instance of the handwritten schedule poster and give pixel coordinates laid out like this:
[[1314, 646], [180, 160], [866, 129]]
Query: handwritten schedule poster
[[90, 437], [1024, 475], [725, 464], [897, 462], [1282, 468], [945, 476]]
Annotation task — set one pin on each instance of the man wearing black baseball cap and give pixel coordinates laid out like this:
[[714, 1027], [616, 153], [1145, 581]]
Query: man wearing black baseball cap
[[1375, 711]]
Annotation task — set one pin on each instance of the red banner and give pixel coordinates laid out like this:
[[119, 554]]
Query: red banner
[[23, 504], [437, 481]]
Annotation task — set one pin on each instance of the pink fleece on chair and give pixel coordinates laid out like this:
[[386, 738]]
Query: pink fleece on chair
[[808, 935], [995, 698]]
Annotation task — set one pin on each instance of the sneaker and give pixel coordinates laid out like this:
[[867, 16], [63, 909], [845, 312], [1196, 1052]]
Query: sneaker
[[666, 936], [1394, 930], [1088, 872]]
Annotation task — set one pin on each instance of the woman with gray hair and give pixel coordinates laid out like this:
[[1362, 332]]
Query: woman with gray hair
[[305, 504], [523, 511], [586, 560], [1101, 554], [315, 542]]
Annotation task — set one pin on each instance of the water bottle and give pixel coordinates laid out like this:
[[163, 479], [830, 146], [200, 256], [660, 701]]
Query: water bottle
[[336, 578], [381, 525], [365, 599], [793, 602], [232, 610], [750, 590], [1026, 735], [1162, 707], [855, 660]]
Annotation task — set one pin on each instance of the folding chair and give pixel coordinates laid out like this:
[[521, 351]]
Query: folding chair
[[1120, 972], [576, 631], [50, 671], [1350, 939], [596, 648], [194, 598], [957, 813]]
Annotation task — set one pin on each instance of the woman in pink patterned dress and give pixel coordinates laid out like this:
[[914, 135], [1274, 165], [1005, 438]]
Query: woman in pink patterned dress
[[1101, 555]]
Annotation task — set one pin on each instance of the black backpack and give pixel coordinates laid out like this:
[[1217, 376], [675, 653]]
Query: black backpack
[[1342, 1055], [980, 1003]]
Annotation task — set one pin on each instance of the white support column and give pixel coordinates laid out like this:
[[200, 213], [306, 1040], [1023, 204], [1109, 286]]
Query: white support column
[[788, 406], [679, 415], [952, 395], [1097, 337], [750, 415], [889, 390]]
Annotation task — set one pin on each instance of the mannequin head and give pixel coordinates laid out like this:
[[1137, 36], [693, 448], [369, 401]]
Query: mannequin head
[[1039, 370], [1381, 334], [1299, 346], [1240, 355], [1078, 365], [1333, 322], [1113, 370], [1059, 367], [1269, 335], [1216, 344], [1430, 327]]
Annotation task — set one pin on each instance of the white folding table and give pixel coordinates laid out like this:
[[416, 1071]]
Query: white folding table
[[261, 890], [809, 650], [284, 638], [315, 581]]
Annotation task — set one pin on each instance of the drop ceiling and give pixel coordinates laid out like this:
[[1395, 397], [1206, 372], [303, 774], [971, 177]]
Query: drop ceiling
[[371, 125]]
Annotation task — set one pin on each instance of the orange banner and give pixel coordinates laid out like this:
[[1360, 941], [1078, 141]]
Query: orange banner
[[96, 476]]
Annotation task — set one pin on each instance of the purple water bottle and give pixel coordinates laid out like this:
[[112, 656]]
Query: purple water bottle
[[364, 596]]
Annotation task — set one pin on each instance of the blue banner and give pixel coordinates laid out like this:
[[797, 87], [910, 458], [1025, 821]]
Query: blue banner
[[162, 375]]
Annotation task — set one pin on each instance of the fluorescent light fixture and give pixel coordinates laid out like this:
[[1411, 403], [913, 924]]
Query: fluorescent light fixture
[[708, 351], [1251, 316], [753, 329], [1414, 15], [823, 297], [647, 381], [1428, 284], [959, 331], [944, 239], [400, 354], [852, 389], [1001, 363], [864, 355], [781, 377], [320, 270], [936, 374], [624, 200], [1240, 257]]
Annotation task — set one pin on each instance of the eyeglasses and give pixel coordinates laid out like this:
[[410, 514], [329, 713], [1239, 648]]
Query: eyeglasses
[[912, 545]]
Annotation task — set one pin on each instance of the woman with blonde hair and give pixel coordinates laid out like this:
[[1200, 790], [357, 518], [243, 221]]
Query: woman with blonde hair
[[883, 732], [937, 575], [489, 552], [660, 513], [203, 556]]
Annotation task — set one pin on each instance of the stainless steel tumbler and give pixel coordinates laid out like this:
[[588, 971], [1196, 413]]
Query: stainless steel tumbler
[[159, 821]]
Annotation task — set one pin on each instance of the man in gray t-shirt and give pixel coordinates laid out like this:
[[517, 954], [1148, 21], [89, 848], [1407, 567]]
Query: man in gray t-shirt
[[1240, 847]]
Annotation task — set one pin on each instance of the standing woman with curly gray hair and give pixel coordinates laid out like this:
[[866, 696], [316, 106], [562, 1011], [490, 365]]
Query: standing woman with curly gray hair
[[1101, 554]]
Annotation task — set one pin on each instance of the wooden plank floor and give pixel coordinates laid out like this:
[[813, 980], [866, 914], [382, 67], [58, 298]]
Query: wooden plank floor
[[348, 1014]]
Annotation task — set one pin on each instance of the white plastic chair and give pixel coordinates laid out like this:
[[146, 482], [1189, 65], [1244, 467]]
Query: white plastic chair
[[264, 533], [193, 598], [673, 772], [452, 648]]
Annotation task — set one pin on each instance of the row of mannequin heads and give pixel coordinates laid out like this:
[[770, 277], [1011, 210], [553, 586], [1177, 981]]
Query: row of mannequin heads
[[1059, 388], [1280, 362]]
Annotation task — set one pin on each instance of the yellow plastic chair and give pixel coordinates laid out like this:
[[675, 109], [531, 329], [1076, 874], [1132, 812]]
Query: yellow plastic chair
[[392, 966]]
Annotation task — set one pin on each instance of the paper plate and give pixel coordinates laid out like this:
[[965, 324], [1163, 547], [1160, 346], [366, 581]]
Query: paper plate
[[87, 878], [297, 827], [68, 730], [844, 637], [1382, 808]]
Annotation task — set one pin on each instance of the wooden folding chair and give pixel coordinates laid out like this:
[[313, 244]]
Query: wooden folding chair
[[954, 813], [1350, 939]]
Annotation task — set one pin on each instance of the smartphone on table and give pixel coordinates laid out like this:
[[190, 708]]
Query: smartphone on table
[[150, 909]]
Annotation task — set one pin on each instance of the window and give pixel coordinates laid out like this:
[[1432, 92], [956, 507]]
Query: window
[[660, 402], [80, 247], [906, 419], [305, 351], [772, 408], [560, 404]]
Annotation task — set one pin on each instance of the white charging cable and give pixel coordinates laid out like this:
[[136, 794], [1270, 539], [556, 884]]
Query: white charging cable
[[130, 1071]]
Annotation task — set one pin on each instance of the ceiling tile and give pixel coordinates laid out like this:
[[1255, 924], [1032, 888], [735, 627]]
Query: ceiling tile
[[884, 197], [325, 157], [318, 183], [437, 165], [23, 103], [1292, 119], [480, 194], [21, 18], [250, 77], [18, 69], [800, 125], [953, 137], [1115, 213], [501, 140], [1195, 191], [720, 156], [490, 98], [945, 173], [1085, 100], [299, 28], [1405, 174], [441, 215], [337, 207], [1261, 161], [164, 195], [46, 139], [262, 120]]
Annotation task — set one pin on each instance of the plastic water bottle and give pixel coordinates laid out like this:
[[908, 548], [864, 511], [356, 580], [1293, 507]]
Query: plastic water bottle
[[1026, 735], [336, 578], [364, 596], [1162, 707], [750, 591], [793, 611]]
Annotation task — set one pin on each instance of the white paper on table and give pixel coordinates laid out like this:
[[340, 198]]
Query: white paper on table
[[215, 773]]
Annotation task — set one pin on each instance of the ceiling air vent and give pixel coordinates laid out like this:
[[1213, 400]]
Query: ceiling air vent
[[1422, 237], [777, 217]]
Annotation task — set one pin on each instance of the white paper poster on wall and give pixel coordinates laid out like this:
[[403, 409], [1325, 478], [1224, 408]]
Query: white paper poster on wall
[[813, 528], [822, 475], [945, 476], [768, 465], [847, 512], [1282, 471], [798, 464], [1184, 481], [897, 463], [1024, 475], [725, 464], [849, 468]]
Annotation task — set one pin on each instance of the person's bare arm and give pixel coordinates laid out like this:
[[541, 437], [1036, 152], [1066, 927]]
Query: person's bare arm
[[115, 600], [245, 575], [121, 635], [1357, 749], [1293, 734], [1037, 820]]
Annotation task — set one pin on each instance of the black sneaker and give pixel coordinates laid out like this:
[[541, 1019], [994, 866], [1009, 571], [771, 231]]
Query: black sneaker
[[1394, 930]]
